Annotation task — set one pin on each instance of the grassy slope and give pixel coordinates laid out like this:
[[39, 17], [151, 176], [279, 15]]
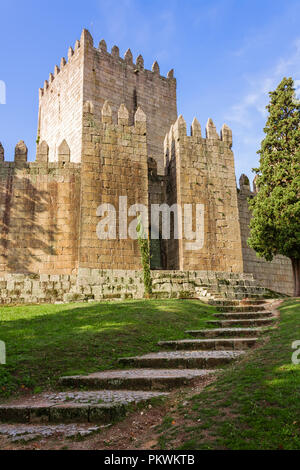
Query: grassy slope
[[46, 341], [254, 404]]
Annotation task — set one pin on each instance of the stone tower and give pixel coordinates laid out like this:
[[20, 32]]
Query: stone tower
[[92, 74]]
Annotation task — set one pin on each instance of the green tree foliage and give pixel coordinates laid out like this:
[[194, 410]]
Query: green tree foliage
[[275, 226]]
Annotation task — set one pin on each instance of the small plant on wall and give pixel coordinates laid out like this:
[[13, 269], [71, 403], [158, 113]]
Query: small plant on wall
[[144, 245]]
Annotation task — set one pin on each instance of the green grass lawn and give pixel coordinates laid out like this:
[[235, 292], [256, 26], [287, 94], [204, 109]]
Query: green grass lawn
[[45, 342], [254, 404]]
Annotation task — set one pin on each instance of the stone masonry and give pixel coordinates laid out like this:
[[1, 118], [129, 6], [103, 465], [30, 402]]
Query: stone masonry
[[108, 128], [276, 275], [93, 74], [202, 172]]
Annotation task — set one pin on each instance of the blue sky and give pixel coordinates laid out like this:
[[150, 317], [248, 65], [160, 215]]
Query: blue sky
[[227, 55]]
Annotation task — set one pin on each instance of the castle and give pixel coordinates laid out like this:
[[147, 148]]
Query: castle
[[107, 128]]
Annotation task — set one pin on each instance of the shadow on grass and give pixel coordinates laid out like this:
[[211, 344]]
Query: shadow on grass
[[47, 341]]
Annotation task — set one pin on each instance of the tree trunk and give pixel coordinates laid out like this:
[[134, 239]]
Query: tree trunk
[[296, 273]]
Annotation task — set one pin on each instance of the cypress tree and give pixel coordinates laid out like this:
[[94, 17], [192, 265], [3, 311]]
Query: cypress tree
[[275, 225]]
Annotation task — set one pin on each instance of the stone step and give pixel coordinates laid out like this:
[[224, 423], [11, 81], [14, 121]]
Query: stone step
[[183, 359], [233, 303], [232, 296], [29, 432], [137, 379], [208, 344], [227, 332], [242, 315], [251, 289], [232, 292], [230, 323], [73, 407], [243, 285], [241, 308]]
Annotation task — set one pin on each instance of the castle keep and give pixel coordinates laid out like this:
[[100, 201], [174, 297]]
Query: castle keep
[[108, 128]]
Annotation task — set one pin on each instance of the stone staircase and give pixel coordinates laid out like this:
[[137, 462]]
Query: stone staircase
[[208, 286], [105, 397]]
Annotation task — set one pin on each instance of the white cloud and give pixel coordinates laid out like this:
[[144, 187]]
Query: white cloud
[[239, 112], [254, 102], [248, 116], [286, 64]]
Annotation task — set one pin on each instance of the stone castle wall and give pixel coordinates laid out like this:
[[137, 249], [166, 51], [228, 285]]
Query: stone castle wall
[[39, 203], [49, 209], [202, 172], [108, 128], [276, 275], [49, 216], [97, 285], [114, 165], [157, 185]]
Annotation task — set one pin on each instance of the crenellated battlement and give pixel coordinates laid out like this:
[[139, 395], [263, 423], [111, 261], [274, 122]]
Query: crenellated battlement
[[178, 133], [42, 156], [127, 60], [72, 53], [63, 150], [20, 155], [245, 185], [179, 129], [138, 65], [114, 55], [140, 119], [93, 74]]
